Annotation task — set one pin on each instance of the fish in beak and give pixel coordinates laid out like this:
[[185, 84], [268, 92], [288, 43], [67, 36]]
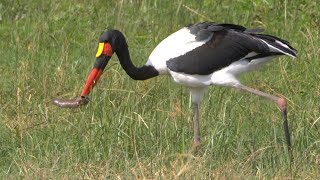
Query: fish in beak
[[103, 56]]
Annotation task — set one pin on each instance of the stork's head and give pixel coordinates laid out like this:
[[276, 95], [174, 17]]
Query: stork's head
[[109, 42]]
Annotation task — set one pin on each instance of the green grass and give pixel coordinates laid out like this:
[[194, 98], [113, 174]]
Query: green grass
[[137, 130]]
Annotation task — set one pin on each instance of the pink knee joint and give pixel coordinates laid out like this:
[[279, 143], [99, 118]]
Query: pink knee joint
[[281, 102]]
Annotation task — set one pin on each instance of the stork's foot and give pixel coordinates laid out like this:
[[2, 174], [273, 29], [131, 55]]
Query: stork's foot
[[195, 145], [71, 103]]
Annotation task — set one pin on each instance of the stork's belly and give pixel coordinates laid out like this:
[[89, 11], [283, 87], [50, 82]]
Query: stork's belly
[[191, 80], [223, 77], [219, 78]]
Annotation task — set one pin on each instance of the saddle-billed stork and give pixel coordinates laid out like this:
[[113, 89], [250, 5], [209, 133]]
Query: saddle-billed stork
[[195, 56]]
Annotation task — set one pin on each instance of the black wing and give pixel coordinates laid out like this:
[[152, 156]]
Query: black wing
[[229, 43]]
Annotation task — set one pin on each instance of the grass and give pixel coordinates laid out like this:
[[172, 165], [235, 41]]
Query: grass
[[143, 130]]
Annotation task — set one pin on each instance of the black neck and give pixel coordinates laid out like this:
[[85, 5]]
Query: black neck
[[136, 73]]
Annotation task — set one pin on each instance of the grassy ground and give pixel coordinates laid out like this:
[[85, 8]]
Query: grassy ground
[[137, 130]]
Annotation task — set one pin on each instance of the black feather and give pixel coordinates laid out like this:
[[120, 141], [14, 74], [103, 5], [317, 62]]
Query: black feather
[[226, 43]]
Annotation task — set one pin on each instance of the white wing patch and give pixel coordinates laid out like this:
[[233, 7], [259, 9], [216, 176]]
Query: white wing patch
[[177, 44]]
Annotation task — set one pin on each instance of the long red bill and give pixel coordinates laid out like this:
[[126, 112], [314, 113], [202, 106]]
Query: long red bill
[[103, 55]]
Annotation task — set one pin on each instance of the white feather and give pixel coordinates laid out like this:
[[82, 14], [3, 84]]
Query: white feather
[[274, 49], [250, 55], [177, 44], [282, 44]]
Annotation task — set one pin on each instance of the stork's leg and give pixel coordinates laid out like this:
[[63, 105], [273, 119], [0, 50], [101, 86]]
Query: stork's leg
[[281, 103], [196, 95], [196, 129]]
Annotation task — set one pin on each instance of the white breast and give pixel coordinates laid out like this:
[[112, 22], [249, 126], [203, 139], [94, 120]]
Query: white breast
[[177, 44]]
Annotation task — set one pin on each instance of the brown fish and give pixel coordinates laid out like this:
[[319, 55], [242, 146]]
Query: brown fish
[[71, 103]]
